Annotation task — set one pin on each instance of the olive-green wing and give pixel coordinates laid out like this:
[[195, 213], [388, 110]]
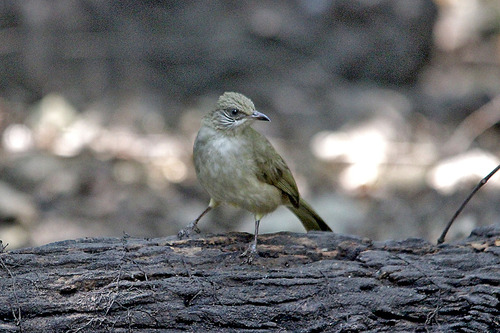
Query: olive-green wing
[[272, 169]]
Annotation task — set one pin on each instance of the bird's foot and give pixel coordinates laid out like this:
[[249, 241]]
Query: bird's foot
[[250, 253], [188, 230]]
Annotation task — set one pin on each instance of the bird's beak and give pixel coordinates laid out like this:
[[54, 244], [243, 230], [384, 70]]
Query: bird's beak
[[260, 116]]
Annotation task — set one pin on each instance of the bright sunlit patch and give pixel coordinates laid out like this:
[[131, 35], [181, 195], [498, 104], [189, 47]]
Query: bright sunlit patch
[[359, 175], [364, 148], [17, 138], [52, 115], [471, 166], [75, 138], [117, 141], [458, 23], [330, 145], [174, 169], [364, 144]]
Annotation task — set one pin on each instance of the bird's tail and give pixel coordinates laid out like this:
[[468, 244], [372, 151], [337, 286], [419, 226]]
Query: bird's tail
[[309, 218]]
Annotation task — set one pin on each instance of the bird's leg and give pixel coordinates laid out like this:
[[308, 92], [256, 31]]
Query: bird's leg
[[193, 225], [251, 251]]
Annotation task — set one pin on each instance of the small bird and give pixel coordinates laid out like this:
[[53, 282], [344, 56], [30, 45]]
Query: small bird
[[238, 165]]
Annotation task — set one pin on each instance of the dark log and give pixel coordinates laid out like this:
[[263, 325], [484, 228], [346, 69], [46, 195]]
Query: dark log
[[301, 282]]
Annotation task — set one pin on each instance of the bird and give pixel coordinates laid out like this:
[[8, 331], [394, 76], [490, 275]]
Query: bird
[[237, 165]]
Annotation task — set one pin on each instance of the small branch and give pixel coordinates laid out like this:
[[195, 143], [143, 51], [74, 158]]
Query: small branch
[[478, 186]]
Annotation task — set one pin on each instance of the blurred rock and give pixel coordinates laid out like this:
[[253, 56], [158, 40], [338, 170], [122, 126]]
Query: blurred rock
[[18, 213], [384, 41], [16, 206]]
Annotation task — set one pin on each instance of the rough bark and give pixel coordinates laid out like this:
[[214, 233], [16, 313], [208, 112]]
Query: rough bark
[[301, 282]]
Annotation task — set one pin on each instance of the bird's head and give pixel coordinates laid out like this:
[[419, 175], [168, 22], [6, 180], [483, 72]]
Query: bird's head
[[234, 112]]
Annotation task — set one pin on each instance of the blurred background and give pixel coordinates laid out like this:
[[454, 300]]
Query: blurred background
[[386, 111]]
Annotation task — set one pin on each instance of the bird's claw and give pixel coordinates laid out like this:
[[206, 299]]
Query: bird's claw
[[250, 253], [188, 230]]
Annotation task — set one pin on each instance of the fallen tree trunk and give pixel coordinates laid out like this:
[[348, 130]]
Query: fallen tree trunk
[[302, 282]]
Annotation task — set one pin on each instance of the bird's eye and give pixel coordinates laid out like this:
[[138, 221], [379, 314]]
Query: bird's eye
[[234, 112]]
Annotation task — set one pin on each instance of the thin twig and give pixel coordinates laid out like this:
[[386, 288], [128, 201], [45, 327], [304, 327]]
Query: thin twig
[[16, 313], [3, 247], [478, 186]]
